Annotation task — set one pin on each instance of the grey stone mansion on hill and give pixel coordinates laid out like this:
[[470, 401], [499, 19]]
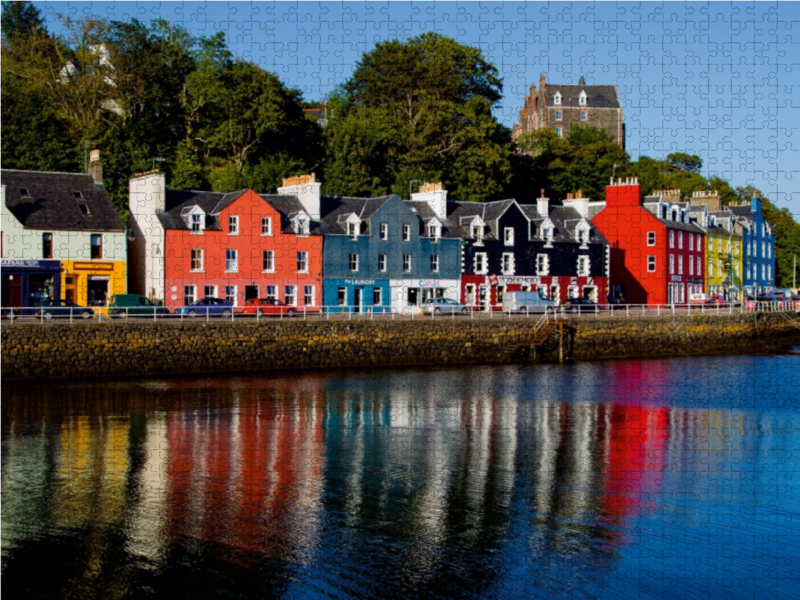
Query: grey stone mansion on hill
[[560, 106]]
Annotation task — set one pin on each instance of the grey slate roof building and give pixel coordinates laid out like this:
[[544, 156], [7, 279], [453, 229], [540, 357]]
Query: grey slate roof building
[[59, 201], [559, 107]]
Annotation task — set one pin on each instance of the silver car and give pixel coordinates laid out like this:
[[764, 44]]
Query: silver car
[[438, 306]]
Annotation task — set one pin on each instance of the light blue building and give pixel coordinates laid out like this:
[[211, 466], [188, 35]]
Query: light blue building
[[759, 247]]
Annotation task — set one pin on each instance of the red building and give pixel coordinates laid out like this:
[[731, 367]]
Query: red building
[[188, 245], [657, 253]]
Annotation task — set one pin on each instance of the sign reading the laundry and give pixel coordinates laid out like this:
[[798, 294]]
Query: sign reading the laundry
[[88, 266]]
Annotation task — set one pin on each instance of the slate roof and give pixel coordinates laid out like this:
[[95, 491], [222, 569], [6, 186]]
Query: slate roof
[[51, 202], [597, 96], [287, 206], [210, 202], [742, 211], [564, 219], [450, 228], [490, 212], [332, 207]]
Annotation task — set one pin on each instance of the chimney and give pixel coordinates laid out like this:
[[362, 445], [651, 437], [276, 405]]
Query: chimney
[[543, 205], [579, 203], [755, 203], [147, 193], [623, 192], [435, 196], [542, 83], [96, 167], [307, 190], [707, 197]]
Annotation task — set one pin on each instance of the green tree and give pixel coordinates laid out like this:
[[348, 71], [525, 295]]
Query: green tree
[[428, 101], [20, 19], [680, 161]]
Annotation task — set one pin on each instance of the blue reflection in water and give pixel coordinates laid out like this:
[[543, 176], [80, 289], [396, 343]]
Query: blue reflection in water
[[651, 478]]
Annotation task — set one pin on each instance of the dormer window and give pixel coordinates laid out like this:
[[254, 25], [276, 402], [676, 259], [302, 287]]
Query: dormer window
[[547, 234], [196, 224], [23, 192], [582, 99], [557, 99], [583, 236], [300, 223], [352, 230]]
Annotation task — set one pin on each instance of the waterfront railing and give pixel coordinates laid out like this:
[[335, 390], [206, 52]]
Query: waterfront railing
[[350, 312]]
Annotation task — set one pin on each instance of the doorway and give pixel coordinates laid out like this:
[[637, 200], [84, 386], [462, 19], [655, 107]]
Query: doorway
[[12, 290], [483, 297], [97, 291], [357, 294], [413, 296], [70, 289], [250, 292]]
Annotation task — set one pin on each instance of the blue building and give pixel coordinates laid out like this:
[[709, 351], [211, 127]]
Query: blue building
[[759, 247], [385, 254]]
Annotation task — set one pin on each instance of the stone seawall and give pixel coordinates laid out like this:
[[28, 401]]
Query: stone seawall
[[60, 350]]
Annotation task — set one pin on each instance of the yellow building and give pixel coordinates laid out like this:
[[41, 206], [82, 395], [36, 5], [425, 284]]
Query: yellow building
[[724, 246]]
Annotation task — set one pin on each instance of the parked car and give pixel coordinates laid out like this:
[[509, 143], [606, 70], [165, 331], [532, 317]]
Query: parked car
[[437, 306], [579, 305], [717, 301], [531, 302], [698, 299], [207, 306], [273, 306], [134, 305], [64, 309]]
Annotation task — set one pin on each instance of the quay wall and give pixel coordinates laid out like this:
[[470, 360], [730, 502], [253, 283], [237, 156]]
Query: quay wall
[[32, 351]]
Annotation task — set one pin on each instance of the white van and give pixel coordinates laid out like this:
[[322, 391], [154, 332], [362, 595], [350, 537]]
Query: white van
[[531, 302]]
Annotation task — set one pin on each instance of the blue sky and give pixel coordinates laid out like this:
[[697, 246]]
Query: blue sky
[[715, 79]]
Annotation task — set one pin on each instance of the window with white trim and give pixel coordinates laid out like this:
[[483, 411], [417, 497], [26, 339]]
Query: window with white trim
[[308, 295], [406, 233], [691, 266], [96, 243], [266, 225], [651, 238], [196, 224], [384, 231], [671, 264], [352, 230], [433, 231], [651, 263], [691, 243], [542, 264], [481, 263], [382, 263], [230, 294], [377, 296], [290, 295], [406, 263], [434, 263], [197, 259], [583, 266], [711, 269], [559, 115], [189, 294], [302, 262], [231, 261], [272, 291], [582, 99], [671, 238], [353, 262], [557, 99], [209, 291], [268, 261], [508, 236], [584, 115], [341, 296], [233, 225], [680, 240], [559, 132], [680, 264], [507, 265]]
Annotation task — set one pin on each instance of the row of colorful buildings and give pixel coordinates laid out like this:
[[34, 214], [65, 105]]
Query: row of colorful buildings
[[61, 238]]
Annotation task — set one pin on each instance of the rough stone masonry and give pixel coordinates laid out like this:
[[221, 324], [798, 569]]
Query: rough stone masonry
[[61, 350]]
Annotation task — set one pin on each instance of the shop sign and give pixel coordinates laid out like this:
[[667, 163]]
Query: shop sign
[[429, 283], [503, 280], [676, 278], [89, 266], [359, 281], [38, 264]]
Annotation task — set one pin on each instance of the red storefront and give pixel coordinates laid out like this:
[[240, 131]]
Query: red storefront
[[239, 246], [477, 290], [657, 254]]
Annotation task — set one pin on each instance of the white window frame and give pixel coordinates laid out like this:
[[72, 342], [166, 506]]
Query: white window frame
[[212, 289], [267, 256], [302, 261], [234, 295], [189, 294], [377, 292], [582, 99], [233, 224], [584, 115], [406, 263], [542, 264], [508, 236], [584, 266], [557, 99], [353, 262], [196, 224], [352, 230], [406, 233], [559, 132], [680, 264], [309, 299], [384, 228], [672, 264], [434, 263], [651, 263], [691, 243], [507, 265], [192, 259], [266, 225], [559, 115], [290, 295], [231, 264], [651, 238], [691, 267], [271, 291], [481, 263], [382, 263], [680, 240]]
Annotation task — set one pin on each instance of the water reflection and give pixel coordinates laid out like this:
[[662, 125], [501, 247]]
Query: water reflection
[[486, 482]]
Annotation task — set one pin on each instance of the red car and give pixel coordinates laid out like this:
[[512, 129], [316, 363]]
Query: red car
[[273, 306], [718, 301]]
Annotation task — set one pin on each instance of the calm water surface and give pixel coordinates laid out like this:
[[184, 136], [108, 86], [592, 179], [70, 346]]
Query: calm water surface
[[620, 479]]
